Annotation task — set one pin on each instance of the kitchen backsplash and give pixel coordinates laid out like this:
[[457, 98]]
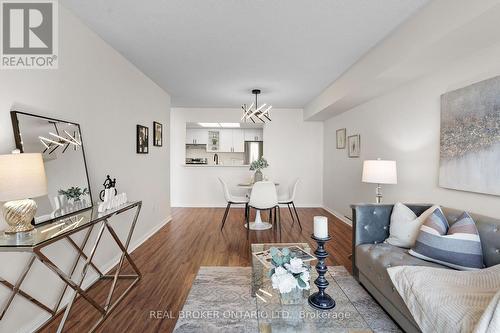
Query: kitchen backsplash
[[199, 151]]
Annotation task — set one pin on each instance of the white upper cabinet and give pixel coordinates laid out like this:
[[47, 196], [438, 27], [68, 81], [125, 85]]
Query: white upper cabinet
[[201, 136], [225, 140], [238, 141], [189, 136], [252, 134], [231, 141], [196, 136]]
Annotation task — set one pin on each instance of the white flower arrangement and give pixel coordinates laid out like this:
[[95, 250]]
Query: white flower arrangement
[[288, 272]]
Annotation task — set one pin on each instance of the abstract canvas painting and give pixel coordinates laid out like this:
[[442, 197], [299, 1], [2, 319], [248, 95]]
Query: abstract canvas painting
[[470, 138]]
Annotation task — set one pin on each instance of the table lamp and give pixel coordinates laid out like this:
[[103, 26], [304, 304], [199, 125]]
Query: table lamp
[[22, 177], [379, 172]]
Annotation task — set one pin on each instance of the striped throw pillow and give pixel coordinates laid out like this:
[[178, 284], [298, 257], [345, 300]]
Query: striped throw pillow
[[458, 246]]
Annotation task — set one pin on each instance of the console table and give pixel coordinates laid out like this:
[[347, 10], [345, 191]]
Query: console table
[[62, 230]]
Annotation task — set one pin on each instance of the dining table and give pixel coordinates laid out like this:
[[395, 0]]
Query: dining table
[[258, 224]]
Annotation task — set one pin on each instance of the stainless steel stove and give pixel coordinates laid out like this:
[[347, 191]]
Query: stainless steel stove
[[196, 161]]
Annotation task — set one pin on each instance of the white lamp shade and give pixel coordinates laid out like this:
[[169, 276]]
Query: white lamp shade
[[380, 172], [22, 176]]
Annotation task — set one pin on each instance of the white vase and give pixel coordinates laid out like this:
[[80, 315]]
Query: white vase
[[296, 296], [63, 201], [258, 177]]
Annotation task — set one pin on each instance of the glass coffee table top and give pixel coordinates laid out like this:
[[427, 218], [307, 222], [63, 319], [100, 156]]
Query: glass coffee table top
[[275, 314]]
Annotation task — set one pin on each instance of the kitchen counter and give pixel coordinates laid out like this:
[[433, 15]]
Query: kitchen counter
[[216, 166]]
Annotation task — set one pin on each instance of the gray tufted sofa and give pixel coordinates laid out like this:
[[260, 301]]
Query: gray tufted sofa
[[371, 256]]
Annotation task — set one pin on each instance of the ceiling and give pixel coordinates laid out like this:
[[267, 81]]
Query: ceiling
[[211, 53]]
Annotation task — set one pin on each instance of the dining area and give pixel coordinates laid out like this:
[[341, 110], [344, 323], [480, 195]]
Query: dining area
[[261, 195]]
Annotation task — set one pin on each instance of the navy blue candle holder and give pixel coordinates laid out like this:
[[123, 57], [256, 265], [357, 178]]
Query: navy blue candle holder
[[321, 300]]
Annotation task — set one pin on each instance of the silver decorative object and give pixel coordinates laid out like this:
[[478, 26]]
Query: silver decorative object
[[18, 214]]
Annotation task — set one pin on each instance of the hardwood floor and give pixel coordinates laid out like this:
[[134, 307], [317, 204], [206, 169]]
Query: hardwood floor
[[170, 259]]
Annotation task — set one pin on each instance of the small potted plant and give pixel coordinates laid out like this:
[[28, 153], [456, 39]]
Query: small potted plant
[[257, 166], [289, 275], [74, 193]]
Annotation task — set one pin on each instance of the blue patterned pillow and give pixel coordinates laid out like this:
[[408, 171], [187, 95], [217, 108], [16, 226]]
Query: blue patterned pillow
[[458, 246]]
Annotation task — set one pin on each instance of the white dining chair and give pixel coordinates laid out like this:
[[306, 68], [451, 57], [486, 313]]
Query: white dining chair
[[231, 200], [288, 199], [263, 197]]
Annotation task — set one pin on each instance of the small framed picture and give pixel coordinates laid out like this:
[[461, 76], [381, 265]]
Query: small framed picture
[[341, 138], [354, 145], [142, 139], [157, 134]]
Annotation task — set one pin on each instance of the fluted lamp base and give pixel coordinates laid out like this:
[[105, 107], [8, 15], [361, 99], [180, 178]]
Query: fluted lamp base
[[18, 214]]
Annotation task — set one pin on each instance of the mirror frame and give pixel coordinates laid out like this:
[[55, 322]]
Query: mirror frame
[[17, 136]]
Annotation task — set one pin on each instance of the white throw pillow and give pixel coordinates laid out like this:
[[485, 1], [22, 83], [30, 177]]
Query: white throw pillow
[[405, 225]]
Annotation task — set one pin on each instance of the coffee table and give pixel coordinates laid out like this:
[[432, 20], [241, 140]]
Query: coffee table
[[275, 315], [224, 299]]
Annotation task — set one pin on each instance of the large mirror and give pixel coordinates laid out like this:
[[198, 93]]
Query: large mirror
[[60, 143]]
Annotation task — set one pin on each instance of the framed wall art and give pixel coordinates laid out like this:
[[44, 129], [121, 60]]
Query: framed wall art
[[142, 139], [157, 134], [354, 145], [341, 135]]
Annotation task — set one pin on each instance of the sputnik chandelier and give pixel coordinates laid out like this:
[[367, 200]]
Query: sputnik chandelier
[[256, 111]]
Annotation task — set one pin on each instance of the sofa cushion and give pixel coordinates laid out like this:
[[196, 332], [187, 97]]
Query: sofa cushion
[[458, 246], [373, 260], [405, 225]]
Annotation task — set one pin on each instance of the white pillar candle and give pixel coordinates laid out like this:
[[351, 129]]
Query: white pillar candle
[[320, 227]]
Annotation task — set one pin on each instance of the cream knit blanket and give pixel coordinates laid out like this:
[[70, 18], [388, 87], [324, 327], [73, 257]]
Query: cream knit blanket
[[445, 300]]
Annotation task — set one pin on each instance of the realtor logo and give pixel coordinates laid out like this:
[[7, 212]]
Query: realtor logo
[[29, 34]]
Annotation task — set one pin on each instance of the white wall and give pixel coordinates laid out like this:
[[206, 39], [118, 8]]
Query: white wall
[[96, 87], [404, 125], [292, 147]]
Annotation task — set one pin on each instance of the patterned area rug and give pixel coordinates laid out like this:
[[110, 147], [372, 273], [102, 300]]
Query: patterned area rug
[[220, 301]]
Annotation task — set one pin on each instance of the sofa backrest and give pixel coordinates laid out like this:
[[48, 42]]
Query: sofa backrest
[[373, 222]]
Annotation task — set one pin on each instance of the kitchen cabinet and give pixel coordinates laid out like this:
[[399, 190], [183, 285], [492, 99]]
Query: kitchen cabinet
[[226, 140], [231, 141], [196, 136], [238, 141], [252, 134], [189, 136]]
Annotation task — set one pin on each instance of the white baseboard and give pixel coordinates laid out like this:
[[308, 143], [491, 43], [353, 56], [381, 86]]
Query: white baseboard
[[205, 206], [338, 215], [149, 234], [105, 269], [113, 262]]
